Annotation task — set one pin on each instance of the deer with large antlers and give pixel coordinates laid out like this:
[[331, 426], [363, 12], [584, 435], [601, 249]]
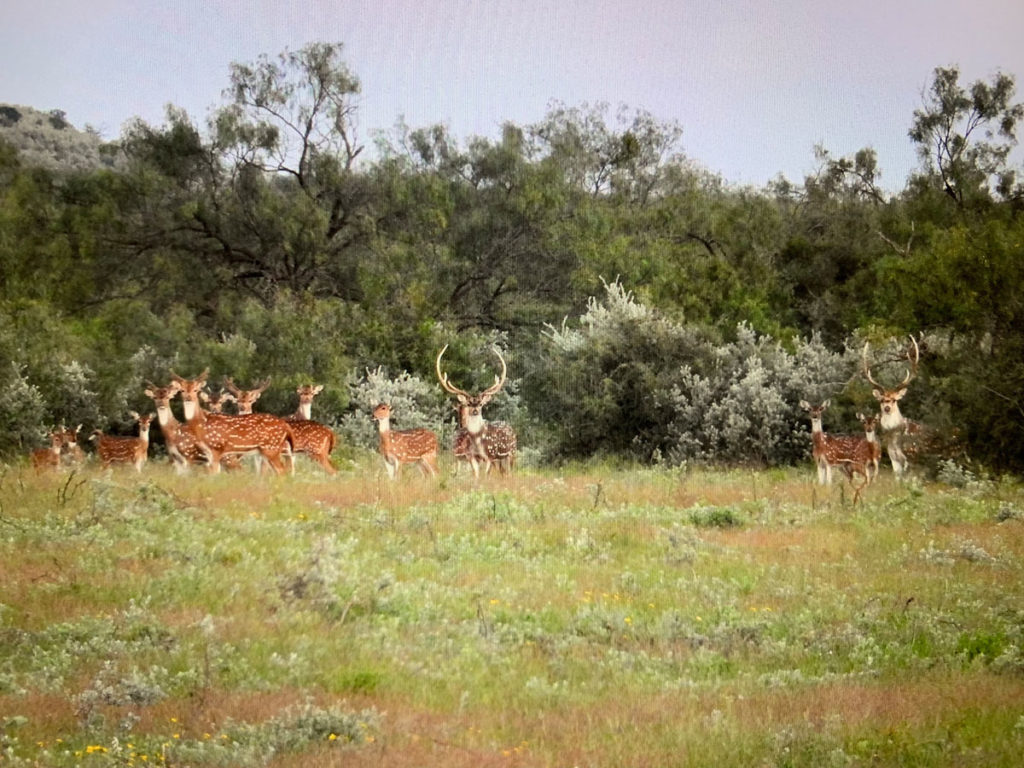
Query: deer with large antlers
[[477, 441], [312, 438], [852, 455], [49, 457], [893, 424], [404, 446], [181, 443], [125, 450], [220, 435]]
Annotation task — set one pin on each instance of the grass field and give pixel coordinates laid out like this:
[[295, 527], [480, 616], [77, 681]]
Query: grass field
[[584, 617]]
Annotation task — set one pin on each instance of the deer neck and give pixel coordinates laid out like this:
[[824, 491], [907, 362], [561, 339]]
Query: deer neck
[[384, 427], [193, 413], [305, 412], [891, 419], [472, 422]]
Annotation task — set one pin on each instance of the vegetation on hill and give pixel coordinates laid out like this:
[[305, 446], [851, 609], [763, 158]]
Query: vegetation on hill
[[647, 308]]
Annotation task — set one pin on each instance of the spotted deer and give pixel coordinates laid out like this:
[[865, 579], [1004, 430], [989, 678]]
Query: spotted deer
[[219, 434], [892, 423], [125, 450], [850, 454], [312, 438], [497, 438], [215, 401], [404, 446], [181, 443], [49, 457], [245, 398], [71, 452], [874, 449], [480, 443]]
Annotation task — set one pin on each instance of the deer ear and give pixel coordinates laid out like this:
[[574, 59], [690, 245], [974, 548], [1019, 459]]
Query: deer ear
[[805, 405], [826, 404], [318, 389], [899, 393], [462, 399], [878, 394]]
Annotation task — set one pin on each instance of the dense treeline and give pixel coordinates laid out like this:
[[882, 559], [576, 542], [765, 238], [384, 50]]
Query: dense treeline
[[647, 307]]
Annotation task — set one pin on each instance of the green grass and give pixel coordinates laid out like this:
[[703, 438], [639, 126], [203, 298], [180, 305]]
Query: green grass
[[596, 616]]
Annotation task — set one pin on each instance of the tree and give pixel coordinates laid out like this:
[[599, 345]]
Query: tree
[[964, 137]]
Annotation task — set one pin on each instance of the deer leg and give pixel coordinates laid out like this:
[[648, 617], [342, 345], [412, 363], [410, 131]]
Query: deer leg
[[897, 457], [273, 460]]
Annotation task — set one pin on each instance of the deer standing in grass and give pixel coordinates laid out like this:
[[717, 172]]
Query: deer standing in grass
[[71, 452], [404, 446], [892, 423], [852, 455], [870, 424], [312, 438], [476, 441], [49, 457], [181, 444], [219, 435], [125, 450], [223, 435]]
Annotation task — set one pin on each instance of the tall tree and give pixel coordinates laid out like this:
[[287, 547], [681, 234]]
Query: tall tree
[[964, 136]]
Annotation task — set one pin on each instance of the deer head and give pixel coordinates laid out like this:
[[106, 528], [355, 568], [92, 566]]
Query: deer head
[[190, 389], [306, 393], [888, 398], [471, 406], [215, 401], [246, 398]]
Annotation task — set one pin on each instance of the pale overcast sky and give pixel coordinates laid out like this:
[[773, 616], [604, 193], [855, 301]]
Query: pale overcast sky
[[755, 84]]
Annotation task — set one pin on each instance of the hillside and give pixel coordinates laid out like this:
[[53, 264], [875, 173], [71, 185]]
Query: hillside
[[47, 139]]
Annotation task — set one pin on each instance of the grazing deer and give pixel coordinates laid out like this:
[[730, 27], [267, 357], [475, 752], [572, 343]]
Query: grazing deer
[[181, 444], [312, 438], [850, 454], [487, 443], [893, 424], [870, 424], [404, 446], [219, 434], [125, 450], [49, 457]]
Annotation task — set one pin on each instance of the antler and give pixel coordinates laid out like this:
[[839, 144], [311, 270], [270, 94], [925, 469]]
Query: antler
[[201, 378], [443, 377], [912, 358], [499, 381], [867, 368]]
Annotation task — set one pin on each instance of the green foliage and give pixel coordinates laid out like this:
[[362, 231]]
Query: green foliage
[[269, 244]]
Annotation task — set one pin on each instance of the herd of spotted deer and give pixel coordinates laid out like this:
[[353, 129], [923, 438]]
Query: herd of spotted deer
[[214, 438], [209, 436]]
